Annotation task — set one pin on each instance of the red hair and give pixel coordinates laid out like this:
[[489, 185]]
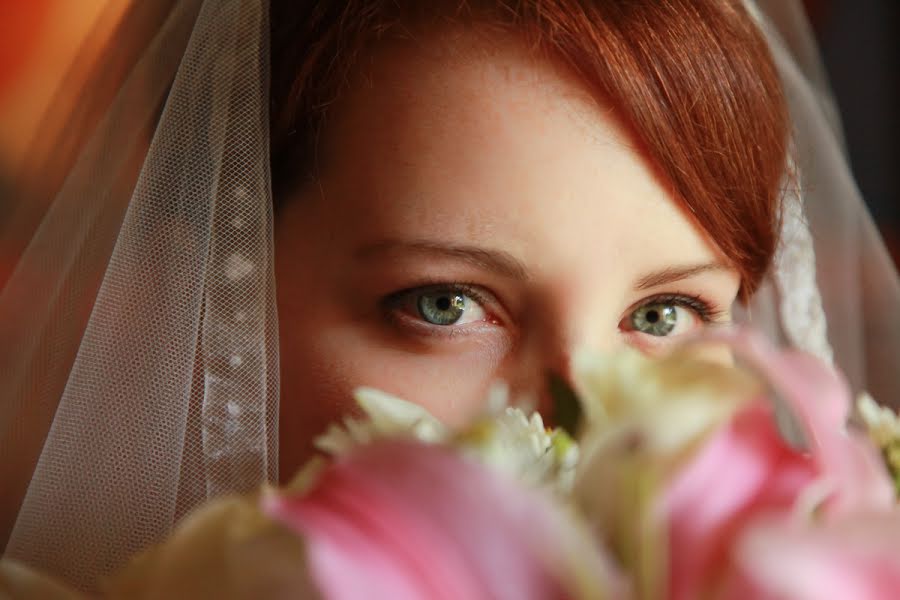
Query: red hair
[[692, 80]]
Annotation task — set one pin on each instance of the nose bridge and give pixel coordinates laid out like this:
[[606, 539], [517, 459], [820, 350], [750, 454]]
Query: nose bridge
[[551, 337], [553, 349]]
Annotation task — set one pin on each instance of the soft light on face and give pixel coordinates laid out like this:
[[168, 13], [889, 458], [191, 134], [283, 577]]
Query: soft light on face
[[478, 217]]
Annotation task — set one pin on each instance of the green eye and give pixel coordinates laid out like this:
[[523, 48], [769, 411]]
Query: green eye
[[655, 319], [441, 308]]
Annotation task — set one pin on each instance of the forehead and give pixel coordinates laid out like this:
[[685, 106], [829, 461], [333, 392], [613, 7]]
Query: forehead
[[467, 138], [455, 80]]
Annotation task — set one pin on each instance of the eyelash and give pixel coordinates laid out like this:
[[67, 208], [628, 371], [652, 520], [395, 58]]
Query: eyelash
[[469, 289], [706, 311], [395, 300]]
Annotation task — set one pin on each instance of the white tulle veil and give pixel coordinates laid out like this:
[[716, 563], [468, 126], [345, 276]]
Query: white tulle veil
[[834, 290], [139, 357], [139, 364]]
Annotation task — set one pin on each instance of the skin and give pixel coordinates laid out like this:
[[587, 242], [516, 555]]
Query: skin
[[470, 160]]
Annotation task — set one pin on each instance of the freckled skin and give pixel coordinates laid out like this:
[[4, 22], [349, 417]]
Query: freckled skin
[[471, 142]]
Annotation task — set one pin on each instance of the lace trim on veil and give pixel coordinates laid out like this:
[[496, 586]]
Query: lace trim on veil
[[800, 310], [801, 313]]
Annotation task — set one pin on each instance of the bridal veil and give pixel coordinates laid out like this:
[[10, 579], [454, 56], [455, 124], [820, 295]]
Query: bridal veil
[[138, 330]]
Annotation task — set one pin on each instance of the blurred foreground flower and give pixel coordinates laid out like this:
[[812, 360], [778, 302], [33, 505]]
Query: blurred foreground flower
[[392, 519], [503, 438], [19, 582], [687, 487], [226, 549], [882, 425], [708, 494], [646, 423], [401, 519]]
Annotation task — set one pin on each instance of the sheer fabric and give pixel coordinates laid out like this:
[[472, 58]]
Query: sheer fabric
[[832, 262], [168, 395], [139, 363]]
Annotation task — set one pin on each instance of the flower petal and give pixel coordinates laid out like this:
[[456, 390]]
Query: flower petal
[[820, 398], [858, 557], [400, 519], [742, 471], [18, 582], [227, 549]]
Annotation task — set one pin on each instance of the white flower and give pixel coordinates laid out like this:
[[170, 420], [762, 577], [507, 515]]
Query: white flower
[[387, 416], [881, 422], [666, 403], [523, 447], [883, 428], [504, 438]]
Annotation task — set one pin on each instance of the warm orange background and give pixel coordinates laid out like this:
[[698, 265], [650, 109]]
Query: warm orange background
[[38, 41]]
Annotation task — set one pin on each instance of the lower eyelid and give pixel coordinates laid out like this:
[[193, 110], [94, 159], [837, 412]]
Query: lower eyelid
[[647, 344], [422, 328]]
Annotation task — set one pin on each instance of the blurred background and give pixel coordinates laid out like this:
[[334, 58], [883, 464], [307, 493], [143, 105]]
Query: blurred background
[[860, 44], [859, 39], [39, 41]]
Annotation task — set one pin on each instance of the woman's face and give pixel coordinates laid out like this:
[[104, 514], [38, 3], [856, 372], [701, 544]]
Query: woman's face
[[477, 217]]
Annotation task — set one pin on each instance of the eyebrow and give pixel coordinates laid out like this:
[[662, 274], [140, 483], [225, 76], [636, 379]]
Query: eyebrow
[[673, 274], [497, 261]]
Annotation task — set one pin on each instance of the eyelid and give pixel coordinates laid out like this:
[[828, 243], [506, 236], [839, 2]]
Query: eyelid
[[481, 295], [706, 311], [471, 290]]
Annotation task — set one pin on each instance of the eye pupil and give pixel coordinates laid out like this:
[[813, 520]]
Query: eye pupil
[[652, 316], [443, 303]]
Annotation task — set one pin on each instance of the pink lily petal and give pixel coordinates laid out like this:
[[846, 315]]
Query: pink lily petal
[[743, 470], [858, 558], [404, 520], [820, 398]]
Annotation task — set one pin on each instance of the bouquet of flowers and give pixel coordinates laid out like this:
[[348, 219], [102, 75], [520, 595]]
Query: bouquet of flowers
[[670, 478]]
